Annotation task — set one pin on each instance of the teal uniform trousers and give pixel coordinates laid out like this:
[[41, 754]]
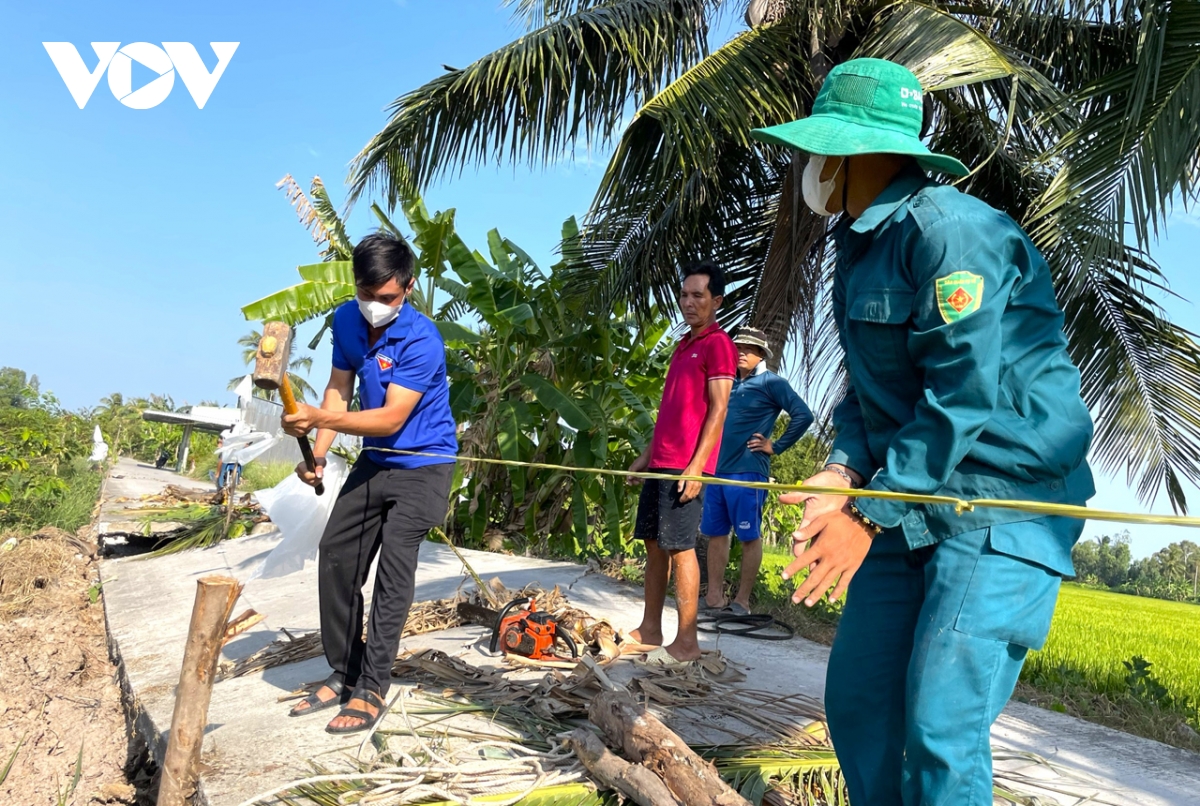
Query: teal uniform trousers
[[927, 652], [960, 384]]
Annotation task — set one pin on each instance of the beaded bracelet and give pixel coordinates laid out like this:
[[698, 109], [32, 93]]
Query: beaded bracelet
[[871, 526]]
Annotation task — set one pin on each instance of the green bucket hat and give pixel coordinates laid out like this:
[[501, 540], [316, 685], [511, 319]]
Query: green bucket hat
[[865, 106]]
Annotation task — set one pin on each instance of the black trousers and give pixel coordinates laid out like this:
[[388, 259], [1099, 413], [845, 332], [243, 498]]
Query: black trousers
[[380, 511]]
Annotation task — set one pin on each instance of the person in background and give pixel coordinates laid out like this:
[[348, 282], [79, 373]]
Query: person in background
[[389, 501], [960, 384], [231, 472], [687, 438], [757, 399]]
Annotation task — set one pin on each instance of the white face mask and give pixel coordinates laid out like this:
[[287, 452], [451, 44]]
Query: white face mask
[[378, 314], [816, 192]]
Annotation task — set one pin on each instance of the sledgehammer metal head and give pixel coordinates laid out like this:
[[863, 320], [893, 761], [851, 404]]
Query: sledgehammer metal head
[[270, 372], [274, 351]]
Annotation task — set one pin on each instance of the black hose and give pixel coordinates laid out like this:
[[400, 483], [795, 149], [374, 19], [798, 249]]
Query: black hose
[[751, 625]]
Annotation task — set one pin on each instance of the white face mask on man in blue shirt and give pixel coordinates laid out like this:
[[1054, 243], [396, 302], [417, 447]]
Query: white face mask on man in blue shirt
[[378, 314]]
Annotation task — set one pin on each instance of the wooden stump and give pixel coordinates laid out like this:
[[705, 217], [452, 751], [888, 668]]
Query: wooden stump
[[632, 780], [646, 740], [215, 598]]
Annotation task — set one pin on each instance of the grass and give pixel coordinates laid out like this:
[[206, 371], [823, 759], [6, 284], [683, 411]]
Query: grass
[[1129, 662], [1095, 631], [255, 476], [263, 475], [73, 508]]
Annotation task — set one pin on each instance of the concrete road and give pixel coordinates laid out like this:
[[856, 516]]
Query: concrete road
[[252, 746]]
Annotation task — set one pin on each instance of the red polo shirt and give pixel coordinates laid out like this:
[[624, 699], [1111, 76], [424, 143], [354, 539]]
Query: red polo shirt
[[697, 360]]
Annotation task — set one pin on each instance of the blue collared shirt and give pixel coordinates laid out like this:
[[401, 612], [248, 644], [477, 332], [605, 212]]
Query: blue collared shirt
[[410, 353], [754, 405], [960, 381]]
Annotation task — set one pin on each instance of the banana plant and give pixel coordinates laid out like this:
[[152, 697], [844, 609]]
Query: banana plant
[[544, 378]]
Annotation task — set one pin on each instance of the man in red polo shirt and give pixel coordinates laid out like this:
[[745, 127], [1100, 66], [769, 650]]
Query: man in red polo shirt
[[687, 439]]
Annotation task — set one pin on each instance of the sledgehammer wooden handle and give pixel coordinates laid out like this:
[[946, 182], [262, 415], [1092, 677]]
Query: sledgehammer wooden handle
[[289, 407]]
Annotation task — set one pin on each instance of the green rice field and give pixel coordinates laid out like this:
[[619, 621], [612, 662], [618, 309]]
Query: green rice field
[[1094, 631]]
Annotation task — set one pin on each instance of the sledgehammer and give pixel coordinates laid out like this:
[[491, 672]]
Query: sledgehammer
[[270, 372]]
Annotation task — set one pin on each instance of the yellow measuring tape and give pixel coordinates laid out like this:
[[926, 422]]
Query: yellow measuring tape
[[960, 505]]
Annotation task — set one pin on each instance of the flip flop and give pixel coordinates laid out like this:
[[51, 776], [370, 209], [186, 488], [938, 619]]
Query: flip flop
[[628, 646], [368, 721], [315, 703], [735, 609], [706, 611], [634, 648], [661, 657]]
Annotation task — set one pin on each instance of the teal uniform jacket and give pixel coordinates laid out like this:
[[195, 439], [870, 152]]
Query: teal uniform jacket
[[959, 379]]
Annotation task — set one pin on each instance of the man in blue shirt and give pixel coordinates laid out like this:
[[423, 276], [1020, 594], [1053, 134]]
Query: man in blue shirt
[[755, 403], [960, 384], [389, 501]]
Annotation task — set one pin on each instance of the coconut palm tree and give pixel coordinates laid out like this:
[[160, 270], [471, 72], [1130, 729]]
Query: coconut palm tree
[[1077, 118], [300, 387]]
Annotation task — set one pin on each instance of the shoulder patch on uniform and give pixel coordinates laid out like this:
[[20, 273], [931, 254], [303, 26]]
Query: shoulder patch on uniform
[[959, 295]]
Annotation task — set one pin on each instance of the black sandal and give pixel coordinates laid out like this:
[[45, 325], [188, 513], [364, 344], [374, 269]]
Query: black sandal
[[315, 703], [368, 721]]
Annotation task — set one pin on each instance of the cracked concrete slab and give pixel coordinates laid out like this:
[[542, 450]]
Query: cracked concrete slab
[[252, 746], [127, 482]]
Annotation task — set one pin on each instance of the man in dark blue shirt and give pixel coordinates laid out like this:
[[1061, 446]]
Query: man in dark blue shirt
[[755, 403], [389, 501]]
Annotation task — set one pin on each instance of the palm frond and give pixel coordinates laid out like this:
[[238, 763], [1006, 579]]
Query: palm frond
[[534, 14], [1140, 376], [684, 181], [566, 83], [943, 50], [1138, 150]]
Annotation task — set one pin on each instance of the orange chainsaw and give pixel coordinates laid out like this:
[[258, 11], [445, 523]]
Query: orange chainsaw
[[529, 632]]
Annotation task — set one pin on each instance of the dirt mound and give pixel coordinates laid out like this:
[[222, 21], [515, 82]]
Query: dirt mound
[[61, 717]]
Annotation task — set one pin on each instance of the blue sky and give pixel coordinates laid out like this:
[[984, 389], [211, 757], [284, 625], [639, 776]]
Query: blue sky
[[134, 236]]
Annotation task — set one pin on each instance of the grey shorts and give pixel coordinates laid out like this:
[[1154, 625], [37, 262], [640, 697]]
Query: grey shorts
[[663, 517]]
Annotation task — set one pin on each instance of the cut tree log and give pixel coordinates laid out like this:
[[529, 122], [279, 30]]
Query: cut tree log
[[632, 780], [644, 739], [215, 598]]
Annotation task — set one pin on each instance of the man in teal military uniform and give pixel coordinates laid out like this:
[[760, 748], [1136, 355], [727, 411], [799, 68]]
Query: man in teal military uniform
[[959, 384]]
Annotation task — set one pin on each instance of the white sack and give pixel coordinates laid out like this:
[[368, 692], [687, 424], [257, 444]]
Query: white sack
[[245, 448], [300, 514], [99, 447]]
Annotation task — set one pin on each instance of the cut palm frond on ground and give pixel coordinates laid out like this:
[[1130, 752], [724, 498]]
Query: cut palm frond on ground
[[202, 525], [456, 731]]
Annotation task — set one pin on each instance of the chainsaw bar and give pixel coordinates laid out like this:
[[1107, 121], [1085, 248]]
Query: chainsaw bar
[[476, 614]]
